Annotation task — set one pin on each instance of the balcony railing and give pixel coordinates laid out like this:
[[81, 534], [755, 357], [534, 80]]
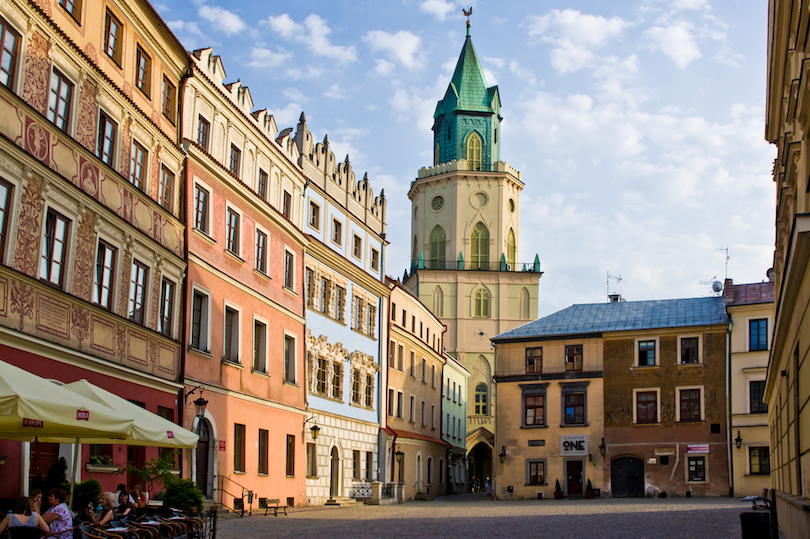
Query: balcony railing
[[462, 265]]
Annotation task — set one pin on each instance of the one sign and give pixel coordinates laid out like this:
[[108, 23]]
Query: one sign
[[701, 448], [222, 445], [33, 423], [169, 434], [82, 415], [660, 451], [574, 444]]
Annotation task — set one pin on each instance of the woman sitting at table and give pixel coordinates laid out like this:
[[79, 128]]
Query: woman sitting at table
[[35, 499], [140, 496], [107, 513], [59, 517], [124, 505], [21, 516]]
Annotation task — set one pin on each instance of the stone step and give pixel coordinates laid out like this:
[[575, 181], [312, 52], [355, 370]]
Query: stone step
[[343, 502]]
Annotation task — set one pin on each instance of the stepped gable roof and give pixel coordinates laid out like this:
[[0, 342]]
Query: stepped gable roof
[[623, 316], [468, 88]]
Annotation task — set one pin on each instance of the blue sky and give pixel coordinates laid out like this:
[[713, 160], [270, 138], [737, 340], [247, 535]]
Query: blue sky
[[637, 125]]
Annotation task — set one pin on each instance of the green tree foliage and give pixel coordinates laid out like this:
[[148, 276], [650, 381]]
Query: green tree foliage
[[182, 493], [87, 492]]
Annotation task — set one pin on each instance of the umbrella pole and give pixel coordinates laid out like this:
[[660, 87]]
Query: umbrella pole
[[73, 471]]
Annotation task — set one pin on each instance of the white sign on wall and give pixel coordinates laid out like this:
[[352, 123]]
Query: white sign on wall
[[573, 445]]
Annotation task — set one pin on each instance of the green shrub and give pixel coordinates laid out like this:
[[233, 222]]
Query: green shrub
[[557, 487], [589, 486], [182, 493], [86, 492]]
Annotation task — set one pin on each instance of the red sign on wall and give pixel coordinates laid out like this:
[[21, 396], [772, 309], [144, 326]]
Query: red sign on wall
[[82, 415], [222, 445]]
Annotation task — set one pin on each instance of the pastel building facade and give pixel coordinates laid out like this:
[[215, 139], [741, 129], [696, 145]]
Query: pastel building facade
[[245, 325], [346, 310], [91, 238], [454, 423]]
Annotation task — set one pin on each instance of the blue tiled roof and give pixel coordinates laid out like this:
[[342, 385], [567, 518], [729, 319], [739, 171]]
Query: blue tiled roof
[[624, 316]]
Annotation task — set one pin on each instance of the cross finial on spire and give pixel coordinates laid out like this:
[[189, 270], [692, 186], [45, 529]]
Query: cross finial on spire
[[467, 14]]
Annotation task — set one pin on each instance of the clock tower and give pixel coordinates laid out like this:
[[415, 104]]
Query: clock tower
[[465, 228]]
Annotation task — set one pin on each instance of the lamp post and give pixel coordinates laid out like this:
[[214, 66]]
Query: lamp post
[[199, 407], [738, 440], [314, 429], [602, 448], [502, 454]]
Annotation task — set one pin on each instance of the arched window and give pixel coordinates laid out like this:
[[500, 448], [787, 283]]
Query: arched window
[[479, 246], [437, 248], [474, 151], [415, 254], [510, 248], [481, 304], [481, 404], [438, 301], [430, 471], [525, 304], [436, 154], [441, 471]]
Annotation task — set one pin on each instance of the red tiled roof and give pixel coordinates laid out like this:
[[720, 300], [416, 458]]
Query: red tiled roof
[[415, 436], [752, 293]]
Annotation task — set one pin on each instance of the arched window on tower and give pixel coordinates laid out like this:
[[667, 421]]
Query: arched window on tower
[[525, 304], [481, 404], [414, 254], [510, 248], [437, 248], [481, 304], [438, 301], [479, 246], [474, 151], [436, 154]]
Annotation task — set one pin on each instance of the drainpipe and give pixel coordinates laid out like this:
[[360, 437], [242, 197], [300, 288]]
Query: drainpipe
[[728, 410]]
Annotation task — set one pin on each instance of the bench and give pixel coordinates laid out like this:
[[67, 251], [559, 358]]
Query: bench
[[271, 504]]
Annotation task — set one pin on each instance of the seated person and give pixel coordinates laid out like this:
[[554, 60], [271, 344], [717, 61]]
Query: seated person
[[124, 505], [107, 512], [59, 517], [21, 516]]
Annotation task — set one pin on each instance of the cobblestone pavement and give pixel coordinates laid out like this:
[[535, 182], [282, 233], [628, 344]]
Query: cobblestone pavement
[[471, 516]]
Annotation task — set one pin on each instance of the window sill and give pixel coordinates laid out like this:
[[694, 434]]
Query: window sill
[[262, 274], [703, 482], [648, 366], [290, 291], [263, 474], [534, 426], [364, 334], [656, 424], [236, 472], [574, 425], [262, 374], [204, 236], [291, 476], [233, 256], [233, 364], [757, 475], [291, 384], [535, 485], [201, 353], [698, 364], [312, 477]]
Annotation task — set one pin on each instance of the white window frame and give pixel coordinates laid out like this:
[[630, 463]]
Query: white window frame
[[747, 344], [144, 261], [312, 202], [240, 235], [657, 390], [332, 231], [266, 343], [755, 375], [72, 76], [700, 349], [657, 352], [207, 325], [288, 250], [706, 479], [144, 188], [70, 243], [209, 209], [294, 338], [114, 164], [400, 405], [392, 405], [371, 259], [119, 250], [412, 415], [260, 228], [678, 390], [239, 354], [355, 238]]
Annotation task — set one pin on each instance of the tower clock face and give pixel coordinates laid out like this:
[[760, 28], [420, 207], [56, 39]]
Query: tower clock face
[[438, 203]]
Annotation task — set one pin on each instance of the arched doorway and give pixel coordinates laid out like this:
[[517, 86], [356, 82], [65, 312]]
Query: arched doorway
[[480, 466], [334, 476], [627, 478], [203, 457]]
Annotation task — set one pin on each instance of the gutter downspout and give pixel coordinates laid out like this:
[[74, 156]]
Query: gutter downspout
[[728, 410]]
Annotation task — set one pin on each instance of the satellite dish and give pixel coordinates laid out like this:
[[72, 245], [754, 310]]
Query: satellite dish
[[717, 286], [771, 274]]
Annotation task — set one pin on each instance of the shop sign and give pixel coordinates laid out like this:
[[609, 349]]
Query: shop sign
[[700, 448], [661, 451], [574, 444], [222, 445], [537, 443]]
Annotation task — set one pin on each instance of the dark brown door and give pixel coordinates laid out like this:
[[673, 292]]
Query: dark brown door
[[334, 477], [43, 456], [573, 470], [627, 478], [202, 456]]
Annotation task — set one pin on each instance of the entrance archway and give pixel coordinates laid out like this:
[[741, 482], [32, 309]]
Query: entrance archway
[[334, 476], [204, 458], [627, 478], [480, 460]]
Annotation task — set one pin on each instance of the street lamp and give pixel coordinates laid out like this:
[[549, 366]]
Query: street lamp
[[399, 456], [602, 448], [199, 407], [502, 454], [738, 440], [314, 429]]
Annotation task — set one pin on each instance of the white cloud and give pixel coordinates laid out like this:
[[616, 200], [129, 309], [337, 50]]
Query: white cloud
[[222, 19], [308, 72], [384, 67], [522, 73], [438, 8], [319, 43], [675, 41], [294, 94], [184, 26], [335, 92], [497, 62], [260, 57], [411, 105], [287, 116], [679, 5], [403, 47], [284, 25]]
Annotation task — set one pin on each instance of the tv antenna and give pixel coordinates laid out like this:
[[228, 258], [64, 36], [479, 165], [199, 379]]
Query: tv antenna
[[618, 279], [716, 285], [727, 257]]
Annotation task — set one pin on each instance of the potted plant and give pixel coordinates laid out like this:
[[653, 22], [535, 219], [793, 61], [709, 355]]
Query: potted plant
[[558, 493], [101, 464], [589, 494]]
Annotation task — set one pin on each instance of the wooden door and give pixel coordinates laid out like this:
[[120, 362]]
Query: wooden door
[[573, 471], [203, 456], [627, 478], [334, 476]]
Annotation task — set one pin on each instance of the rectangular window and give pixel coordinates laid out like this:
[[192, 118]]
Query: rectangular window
[[143, 71], [105, 275], [357, 306], [759, 459], [199, 321], [325, 298], [261, 251], [535, 410], [413, 365], [73, 7], [697, 468], [286, 207], [355, 386], [259, 346], [166, 307], [357, 249], [400, 358], [168, 99], [536, 472], [59, 100], [454, 391], [112, 39], [424, 413], [236, 160], [262, 185], [369, 466], [5, 213], [289, 359], [106, 139], [356, 465], [320, 377], [137, 171], [289, 267], [312, 460], [432, 416], [137, 292], [646, 353], [337, 232], [534, 360], [573, 357], [647, 407], [424, 371], [574, 408], [400, 410], [230, 350], [690, 405], [391, 403], [290, 455], [166, 188], [340, 302], [412, 416], [371, 319], [232, 238], [200, 209], [369, 391], [54, 252], [375, 259], [689, 350], [10, 40], [758, 334], [433, 376], [314, 215], [756, 392], [238, 447], [263, 451], [203, 132], [337, 380]]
